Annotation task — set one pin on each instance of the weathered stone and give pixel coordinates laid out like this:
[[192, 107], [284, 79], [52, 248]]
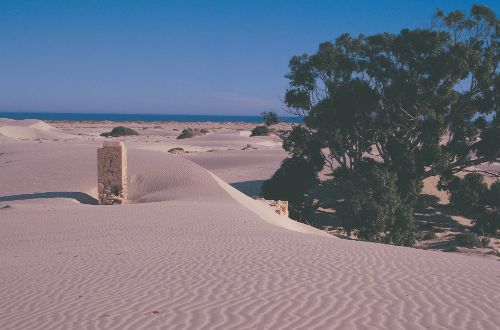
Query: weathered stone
[[112, 173], [280, 207]]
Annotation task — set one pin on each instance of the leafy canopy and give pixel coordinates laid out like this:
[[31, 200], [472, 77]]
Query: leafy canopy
[[416, 102]]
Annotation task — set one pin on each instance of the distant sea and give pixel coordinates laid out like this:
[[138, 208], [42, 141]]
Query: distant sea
[[138, 117]]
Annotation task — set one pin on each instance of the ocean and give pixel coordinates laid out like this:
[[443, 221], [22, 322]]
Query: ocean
[[139, 117]]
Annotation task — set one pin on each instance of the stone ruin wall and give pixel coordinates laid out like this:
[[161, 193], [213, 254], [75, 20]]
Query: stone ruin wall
[[112, 173], [280, 207]]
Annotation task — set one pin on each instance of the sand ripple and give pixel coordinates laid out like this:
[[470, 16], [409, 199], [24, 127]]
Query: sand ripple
[[198, 258]]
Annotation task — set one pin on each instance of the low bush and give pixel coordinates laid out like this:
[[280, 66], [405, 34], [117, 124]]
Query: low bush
[[192, 132], [261, 131], [471, 240], [120, 131], [290, 182], [428, 235]]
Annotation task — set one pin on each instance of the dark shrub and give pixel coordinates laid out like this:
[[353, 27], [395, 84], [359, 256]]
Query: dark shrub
[[428, 235], [468, 194], [472, 196], [191, 132], [372, 205], [290, 182], [493, 195], [120, 131], [471, 240], [487, 223], [261, 131]]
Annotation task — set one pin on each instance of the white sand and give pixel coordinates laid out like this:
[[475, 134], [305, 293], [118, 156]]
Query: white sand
[[30, 130], [193, 253]]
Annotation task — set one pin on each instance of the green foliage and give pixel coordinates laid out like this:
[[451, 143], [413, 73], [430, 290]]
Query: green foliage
[[493, 195], [192, 132], [302, 143], [373, 207], [290, 182], [120, 131], [468, 194], [414, 101], [472, 196], [400, 93], [261, 131], [487, 222], [270, 118], [471, 240]]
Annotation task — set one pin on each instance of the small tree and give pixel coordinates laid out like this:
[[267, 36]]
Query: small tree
[[270, 118]]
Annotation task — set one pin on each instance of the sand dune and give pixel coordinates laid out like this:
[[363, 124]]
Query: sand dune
[[244, 169], [30, 130], [190, 252]]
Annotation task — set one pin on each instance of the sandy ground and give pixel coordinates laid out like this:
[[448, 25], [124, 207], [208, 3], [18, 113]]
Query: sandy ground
[[192, 252]]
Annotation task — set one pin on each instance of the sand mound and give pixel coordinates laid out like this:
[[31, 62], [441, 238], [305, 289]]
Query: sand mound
[[30, 130], [166, 177], [205, 257], [268, 214]]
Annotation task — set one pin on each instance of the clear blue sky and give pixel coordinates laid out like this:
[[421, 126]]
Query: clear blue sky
[[190, 57]]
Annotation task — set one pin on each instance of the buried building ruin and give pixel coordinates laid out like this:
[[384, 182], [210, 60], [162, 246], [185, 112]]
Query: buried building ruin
[[280, 207], [112, 173]]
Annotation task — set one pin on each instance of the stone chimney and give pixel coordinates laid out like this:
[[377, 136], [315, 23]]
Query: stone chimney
[[112, 173]]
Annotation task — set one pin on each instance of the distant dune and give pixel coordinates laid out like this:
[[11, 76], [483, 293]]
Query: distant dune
[[30, 130]]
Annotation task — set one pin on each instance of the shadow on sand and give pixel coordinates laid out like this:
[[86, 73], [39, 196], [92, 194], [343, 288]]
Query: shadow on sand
[[79, 196], [249, 188]]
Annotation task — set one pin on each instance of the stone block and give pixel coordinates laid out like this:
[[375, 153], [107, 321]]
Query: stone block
[[112, 173]]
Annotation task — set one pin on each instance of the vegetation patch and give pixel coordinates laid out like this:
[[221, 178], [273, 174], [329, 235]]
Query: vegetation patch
[[120, 131], [384, 112], [474, 199], [270, 118], [261, 131], [472, 240], [192, 132], [178, 151]]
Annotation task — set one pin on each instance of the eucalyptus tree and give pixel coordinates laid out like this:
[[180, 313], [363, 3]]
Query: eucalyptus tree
[[395, 109]]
